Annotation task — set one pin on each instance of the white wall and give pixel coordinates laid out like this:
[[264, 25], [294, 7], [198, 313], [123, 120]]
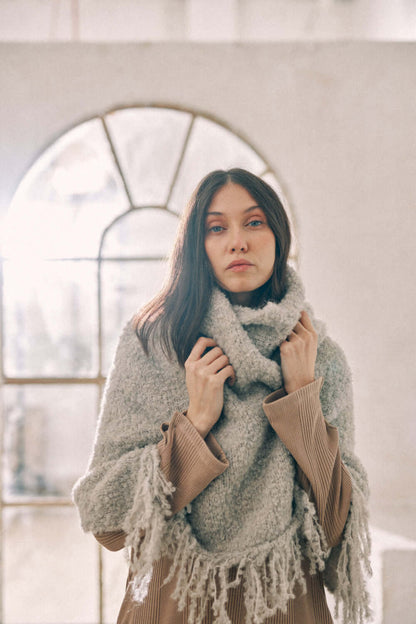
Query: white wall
[[336, 121], [207, 20]]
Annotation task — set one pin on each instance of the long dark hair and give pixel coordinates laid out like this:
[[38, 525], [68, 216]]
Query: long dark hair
[[178, 309]]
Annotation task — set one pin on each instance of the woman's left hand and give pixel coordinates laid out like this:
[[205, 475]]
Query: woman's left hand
[[298, 354]]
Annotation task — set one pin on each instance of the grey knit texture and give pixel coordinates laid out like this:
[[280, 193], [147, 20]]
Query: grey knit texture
[[254, 516]]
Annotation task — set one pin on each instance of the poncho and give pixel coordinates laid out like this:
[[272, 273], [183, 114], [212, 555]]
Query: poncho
[[254, 517]]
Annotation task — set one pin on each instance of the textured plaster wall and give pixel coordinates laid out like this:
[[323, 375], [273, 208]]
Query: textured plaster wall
[[336, 121]]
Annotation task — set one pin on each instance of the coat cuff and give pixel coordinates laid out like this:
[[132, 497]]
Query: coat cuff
[[281, 408], [188, 461], [112, 540]]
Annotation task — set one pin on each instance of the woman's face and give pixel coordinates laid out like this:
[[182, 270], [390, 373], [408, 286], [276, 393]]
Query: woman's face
[[239, 243]]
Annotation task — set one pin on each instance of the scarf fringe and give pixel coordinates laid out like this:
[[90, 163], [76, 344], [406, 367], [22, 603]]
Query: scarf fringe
[[145, 523], [349, 563], [269, 572]]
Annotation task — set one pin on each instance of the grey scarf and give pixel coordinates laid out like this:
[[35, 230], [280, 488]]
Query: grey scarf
[[254, 517]]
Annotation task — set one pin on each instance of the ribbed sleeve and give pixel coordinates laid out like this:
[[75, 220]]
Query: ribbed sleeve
[[298, 420], [188, 461], [113, 540]]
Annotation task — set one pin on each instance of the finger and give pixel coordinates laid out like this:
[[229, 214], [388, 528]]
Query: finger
[[306, 321], [199, 347], [292, 336], [217, 364], [301, 332], [211, 355], [298, 328], [230, 381], [227, 373]]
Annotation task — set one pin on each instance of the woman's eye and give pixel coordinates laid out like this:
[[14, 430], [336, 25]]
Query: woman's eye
[[255, 222], [215, 228]]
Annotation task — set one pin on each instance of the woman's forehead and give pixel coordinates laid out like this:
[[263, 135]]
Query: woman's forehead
[[232, 198]]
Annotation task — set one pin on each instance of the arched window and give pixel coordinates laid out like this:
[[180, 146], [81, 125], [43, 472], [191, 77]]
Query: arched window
[[87, 236]]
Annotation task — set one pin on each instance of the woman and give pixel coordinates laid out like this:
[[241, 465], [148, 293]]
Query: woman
[[223, 457]]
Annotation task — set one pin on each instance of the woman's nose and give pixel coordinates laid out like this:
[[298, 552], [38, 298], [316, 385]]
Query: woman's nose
[[238, 242]]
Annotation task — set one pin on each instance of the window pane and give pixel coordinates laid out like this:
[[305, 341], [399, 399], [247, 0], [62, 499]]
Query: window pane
[[148, 143], [115, 570], [146, 232], [127, 286], [271, 179], [67, 198], [50, 318], [48, 435], [50, 568], [211, 147]]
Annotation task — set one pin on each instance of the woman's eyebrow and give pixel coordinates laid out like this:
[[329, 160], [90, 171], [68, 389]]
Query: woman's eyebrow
[[246, 210]]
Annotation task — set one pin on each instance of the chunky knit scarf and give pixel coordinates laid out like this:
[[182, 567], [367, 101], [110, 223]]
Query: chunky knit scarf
[[254, 517]]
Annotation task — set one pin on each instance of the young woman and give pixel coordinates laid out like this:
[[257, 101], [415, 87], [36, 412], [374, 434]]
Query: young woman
[[224, 451]]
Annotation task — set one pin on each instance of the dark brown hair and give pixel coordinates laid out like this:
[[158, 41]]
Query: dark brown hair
[[178, 309]]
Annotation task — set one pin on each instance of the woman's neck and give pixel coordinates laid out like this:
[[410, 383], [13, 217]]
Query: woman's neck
[[251, 299]]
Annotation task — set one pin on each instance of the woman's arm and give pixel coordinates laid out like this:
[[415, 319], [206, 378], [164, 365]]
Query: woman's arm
[[315, 421], [188, 461], [298, 420]]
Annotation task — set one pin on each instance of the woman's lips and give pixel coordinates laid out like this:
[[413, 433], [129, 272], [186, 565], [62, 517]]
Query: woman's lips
[[237, 267]]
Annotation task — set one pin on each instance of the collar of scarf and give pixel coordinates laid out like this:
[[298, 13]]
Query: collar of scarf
[[251, 336]]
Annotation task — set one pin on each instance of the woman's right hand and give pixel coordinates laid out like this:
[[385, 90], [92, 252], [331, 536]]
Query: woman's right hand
[[206, 374]]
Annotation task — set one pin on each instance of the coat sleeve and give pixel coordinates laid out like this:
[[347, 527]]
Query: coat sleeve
[[348, 562], [298, 420], [188, 461]]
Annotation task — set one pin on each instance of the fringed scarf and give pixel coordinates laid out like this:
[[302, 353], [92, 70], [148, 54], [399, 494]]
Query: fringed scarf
[[254, 517]]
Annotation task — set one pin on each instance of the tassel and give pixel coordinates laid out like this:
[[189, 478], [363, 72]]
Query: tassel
[[270, 574], [146, 522]]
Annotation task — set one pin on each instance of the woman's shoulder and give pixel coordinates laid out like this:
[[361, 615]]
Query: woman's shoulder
[[128, 342], [130, 351], [336, 393], [333, 357]]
